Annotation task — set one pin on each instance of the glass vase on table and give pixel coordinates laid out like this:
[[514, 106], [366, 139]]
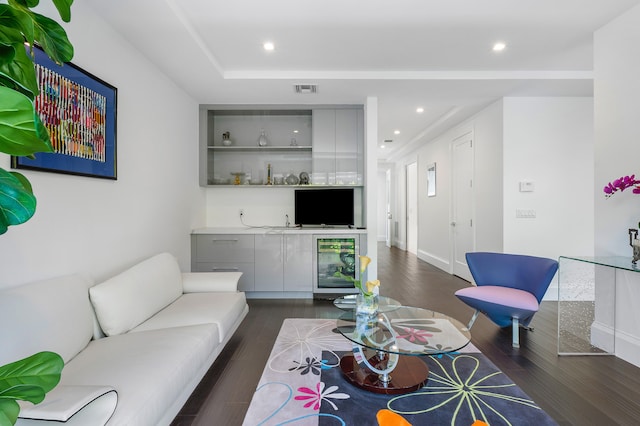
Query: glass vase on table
[[366, 304]]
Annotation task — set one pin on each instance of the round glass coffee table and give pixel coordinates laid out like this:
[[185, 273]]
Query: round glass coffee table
[[348, 303], [387, 347]]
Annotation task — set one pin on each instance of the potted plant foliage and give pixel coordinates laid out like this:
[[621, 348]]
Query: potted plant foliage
[[21, 130], [28, 379], [22, 133]]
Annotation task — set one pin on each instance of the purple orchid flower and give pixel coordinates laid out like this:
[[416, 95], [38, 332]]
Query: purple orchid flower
[[621, 184]]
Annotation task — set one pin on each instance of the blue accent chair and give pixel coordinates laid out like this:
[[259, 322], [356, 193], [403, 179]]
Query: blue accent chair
[[509, 288]]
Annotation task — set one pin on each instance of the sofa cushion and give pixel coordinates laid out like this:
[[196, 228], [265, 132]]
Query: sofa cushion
[[49, 315], [222, 309], [149, 370], [131, 297]]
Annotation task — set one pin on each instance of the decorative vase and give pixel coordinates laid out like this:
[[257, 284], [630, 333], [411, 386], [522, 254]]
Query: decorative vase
[[226, 139], [262, 140], [366, 305]]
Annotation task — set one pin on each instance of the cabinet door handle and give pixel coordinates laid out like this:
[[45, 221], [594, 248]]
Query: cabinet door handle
[[214, 269], [233, 240]]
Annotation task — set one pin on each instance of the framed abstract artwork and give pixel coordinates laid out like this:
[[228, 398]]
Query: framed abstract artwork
[[431, 180], [79, 111]]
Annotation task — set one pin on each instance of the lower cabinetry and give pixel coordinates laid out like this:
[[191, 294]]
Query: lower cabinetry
[[298, 262], [270, 262], [225, 252]]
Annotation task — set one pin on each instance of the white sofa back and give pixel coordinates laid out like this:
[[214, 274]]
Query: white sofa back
[[49, 315], [133, 296]]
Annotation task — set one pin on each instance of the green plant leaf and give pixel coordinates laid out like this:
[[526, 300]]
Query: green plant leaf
[[64, 9], [17, 202], [32, 393], [41, 370], [17, 23], [9, 411], [53, 39], [27, 3], [21, 131], [7, 53], [19, 74]]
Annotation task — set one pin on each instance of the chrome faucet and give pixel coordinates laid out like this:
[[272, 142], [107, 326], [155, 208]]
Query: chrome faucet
[[287, 223]]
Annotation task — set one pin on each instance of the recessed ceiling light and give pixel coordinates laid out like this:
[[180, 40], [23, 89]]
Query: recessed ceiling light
[[268, 46], [419, 110], [499, 46], [396, 132], [382, 146]]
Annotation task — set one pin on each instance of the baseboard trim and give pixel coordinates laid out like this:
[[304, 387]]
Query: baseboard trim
[[627, 346], [436, 261]]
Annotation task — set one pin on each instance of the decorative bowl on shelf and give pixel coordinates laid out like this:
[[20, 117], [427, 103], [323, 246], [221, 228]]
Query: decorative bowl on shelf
[[292, 179]]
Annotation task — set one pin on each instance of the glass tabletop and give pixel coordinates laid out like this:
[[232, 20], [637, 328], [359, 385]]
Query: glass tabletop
[[405, 331], [619, 262], [348, 302]]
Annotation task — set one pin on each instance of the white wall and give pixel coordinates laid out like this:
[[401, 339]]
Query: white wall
[[617, 102], [549, 142], [488, 129], [381, 188], [434, 213], [99, 227]]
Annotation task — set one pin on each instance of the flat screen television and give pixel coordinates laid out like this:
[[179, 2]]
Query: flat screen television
[[324, 207]]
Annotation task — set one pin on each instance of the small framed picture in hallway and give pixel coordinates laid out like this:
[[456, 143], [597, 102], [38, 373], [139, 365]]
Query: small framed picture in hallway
[[431, 180]]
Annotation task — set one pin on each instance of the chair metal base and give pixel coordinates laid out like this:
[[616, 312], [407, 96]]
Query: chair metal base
[[515, 329]]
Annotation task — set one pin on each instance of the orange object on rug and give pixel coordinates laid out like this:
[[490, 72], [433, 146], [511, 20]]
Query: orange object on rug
[[389, 418], [479, 423]]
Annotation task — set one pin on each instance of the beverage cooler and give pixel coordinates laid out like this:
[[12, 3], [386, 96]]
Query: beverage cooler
[[336, 256]]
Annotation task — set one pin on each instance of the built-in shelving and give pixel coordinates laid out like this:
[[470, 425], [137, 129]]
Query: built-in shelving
[[326, 142], [265, 149]]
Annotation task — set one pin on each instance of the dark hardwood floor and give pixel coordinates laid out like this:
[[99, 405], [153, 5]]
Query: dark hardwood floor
[[574, 390]]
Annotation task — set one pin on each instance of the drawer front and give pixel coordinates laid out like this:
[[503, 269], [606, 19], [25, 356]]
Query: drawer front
[[247, 280], [224, 248]]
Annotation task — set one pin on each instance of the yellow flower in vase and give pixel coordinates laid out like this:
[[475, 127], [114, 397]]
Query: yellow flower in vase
[[367, 289], [371, 285]]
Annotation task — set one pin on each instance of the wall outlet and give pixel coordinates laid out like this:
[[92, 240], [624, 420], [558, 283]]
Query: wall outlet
[[241, 212]]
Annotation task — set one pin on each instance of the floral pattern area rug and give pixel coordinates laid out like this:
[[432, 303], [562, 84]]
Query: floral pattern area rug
[[302, 384]]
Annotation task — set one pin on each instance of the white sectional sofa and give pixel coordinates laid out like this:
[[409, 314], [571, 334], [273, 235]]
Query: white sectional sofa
[[134, 346]]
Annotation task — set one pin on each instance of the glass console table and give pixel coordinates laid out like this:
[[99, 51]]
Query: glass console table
[[587, 303]]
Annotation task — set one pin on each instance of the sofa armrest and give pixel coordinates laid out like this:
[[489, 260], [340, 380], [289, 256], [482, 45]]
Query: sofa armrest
[[203, 282], [71, 405]]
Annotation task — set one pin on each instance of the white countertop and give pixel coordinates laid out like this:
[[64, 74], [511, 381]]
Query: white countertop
[[278, 230]]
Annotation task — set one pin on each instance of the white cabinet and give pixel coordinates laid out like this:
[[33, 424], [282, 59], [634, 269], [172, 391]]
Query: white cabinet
[[225, 252], [338, 146], [298, 262], [349, 146], [269, 262]]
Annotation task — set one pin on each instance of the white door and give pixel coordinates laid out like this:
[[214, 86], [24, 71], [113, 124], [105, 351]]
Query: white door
[[462, 221], [412, 208]]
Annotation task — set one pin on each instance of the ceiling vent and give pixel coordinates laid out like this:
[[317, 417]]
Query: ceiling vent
[[305, 88]]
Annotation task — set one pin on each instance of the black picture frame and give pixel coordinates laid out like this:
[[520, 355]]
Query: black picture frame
[[80, 112]]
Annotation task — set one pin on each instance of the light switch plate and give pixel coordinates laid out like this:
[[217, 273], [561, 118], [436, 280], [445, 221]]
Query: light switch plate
[[526, 186]]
